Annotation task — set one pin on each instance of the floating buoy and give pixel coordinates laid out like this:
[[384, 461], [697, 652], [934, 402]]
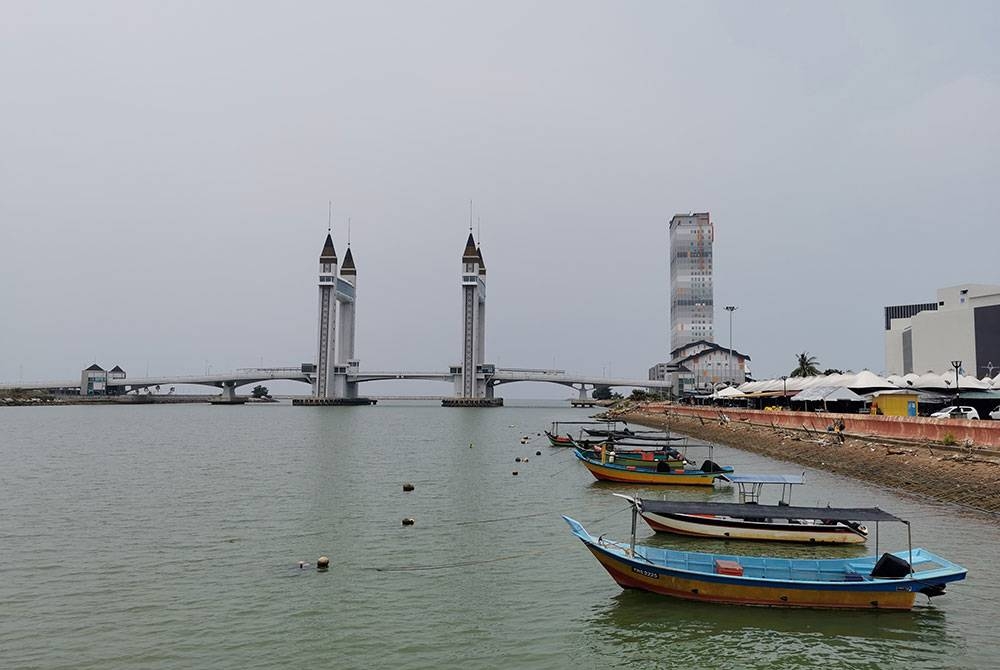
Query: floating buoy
[[538, 453], [302, 565], [322, 563], [407, 487], [539, 434], [517, 460], [525, 460], [470, 445], [408, 521], [514, 473]]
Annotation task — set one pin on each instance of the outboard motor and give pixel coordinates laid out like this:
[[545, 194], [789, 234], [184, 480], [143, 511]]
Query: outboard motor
[[858, 528], [891, 567], [710, 466], [932, 590]]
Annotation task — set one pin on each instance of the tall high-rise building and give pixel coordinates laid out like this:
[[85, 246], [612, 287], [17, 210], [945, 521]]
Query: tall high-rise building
[[692, 314]]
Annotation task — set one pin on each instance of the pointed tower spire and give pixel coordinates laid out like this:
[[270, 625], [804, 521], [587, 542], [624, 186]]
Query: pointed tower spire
[[347, 267], [470, 255], [329, 254], [482, 265]]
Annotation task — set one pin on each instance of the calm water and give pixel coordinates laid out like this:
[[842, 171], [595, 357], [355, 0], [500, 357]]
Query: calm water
[[168, 536]]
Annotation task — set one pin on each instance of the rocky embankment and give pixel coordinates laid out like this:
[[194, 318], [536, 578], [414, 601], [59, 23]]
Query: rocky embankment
[[965, 476]]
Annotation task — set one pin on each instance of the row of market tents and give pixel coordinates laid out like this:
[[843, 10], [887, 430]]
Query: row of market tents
[[852, 386]]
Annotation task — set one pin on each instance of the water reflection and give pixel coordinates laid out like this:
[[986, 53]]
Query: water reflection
[[645, 629]]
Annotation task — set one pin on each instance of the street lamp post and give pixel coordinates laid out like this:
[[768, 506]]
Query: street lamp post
[[784, 388], [729, 367], [958, 366]]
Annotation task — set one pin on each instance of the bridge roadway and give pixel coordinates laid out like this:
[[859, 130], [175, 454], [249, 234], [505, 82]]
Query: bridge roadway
[[229, 381]]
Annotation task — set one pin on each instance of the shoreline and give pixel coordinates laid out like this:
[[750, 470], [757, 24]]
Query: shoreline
[[962, 477], [64, 401]]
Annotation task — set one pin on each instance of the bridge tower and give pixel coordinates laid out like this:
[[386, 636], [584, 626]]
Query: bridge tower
[[325, 385], [471, 384], [347, 284]]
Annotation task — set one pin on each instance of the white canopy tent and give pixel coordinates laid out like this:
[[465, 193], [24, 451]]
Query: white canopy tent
[[826, 394], [817, 387]]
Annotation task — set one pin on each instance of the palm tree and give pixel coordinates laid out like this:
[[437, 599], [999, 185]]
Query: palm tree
[[806, 365]]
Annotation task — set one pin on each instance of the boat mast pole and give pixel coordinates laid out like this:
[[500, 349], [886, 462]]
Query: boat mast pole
[[909, 544], [635, 512]]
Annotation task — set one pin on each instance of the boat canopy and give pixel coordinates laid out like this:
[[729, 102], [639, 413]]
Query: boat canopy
[[646, 445], [763, 479], [753, 511]]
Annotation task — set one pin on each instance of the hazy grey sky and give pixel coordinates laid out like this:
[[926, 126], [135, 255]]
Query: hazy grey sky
[[165, 170]]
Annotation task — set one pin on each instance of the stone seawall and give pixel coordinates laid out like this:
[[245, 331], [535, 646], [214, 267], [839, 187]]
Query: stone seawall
[[911, 429]]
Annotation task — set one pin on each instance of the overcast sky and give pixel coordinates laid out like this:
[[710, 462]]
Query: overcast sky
[[165, 170]]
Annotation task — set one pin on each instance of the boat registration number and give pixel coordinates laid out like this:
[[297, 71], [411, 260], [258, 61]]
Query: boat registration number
[[646, 573]]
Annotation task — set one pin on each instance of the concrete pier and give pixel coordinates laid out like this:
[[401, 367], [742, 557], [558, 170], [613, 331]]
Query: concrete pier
[[335, 402], [472, 402]]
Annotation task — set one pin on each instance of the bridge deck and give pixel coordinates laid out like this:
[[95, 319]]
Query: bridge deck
[[254, 376]]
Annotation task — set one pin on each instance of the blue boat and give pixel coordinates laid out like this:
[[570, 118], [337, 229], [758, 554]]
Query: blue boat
[[889, 582]]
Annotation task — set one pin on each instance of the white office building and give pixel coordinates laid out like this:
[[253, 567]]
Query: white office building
[[963, 324]]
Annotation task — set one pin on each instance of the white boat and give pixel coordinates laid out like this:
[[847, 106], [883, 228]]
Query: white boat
[[749, 520]]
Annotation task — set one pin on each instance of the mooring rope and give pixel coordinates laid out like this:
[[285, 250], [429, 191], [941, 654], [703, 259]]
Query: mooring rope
[[457, 564], [504, 518], [497, 559]]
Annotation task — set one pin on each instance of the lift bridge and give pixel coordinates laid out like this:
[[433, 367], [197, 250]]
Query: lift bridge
[[336, 374]]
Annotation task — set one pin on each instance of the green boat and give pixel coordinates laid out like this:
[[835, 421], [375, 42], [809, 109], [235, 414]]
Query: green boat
[[635, 457]]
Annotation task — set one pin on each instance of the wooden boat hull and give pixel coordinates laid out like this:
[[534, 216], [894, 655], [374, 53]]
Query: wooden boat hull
[[665, 578], [635, 459], [559, 440], [728, 528], [612, 472], [621, 435], [630, 576]]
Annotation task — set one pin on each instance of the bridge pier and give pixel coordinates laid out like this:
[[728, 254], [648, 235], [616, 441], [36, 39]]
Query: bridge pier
[[583, 391], [228, 395]]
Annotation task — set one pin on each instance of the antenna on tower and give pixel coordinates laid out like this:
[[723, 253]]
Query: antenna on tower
[[348, 231], [470, 215], [329, 217], [479, 229]]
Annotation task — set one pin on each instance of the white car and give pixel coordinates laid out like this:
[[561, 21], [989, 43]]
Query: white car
[[995, 414], [956, 412]]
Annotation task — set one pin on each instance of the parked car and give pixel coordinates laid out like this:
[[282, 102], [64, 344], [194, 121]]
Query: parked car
[[956, 412], [995, 414]]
